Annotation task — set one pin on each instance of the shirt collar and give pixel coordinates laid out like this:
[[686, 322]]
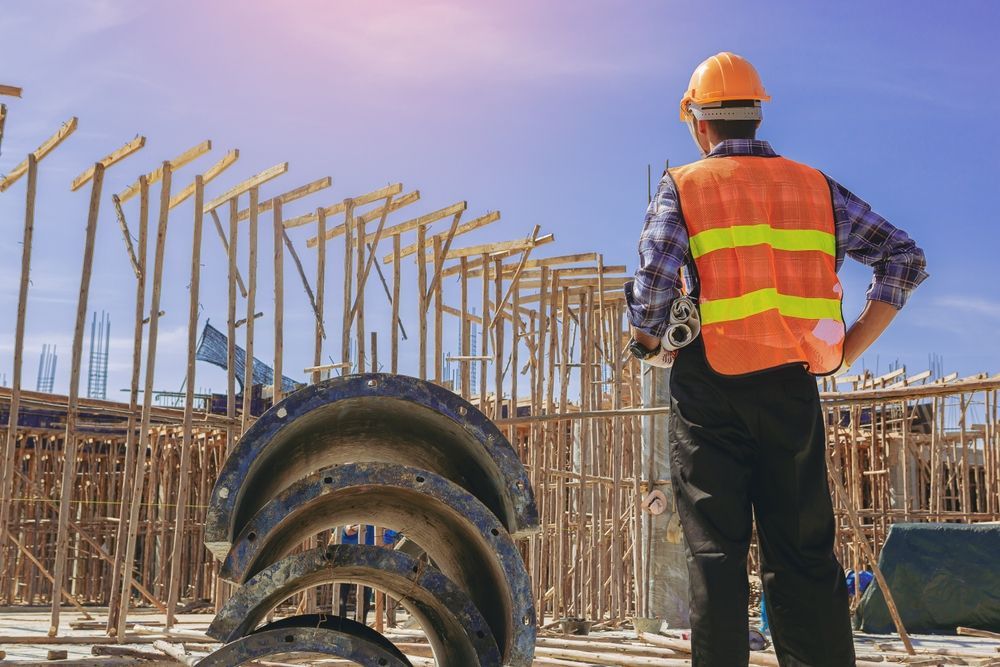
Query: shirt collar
[[754, 147]]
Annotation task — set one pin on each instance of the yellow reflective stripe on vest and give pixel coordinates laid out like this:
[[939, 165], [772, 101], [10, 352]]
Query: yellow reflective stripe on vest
[[710, 240], [740, 307]]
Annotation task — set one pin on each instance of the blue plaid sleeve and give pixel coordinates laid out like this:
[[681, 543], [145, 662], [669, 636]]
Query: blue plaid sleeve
[[869, 238], [663, 250]]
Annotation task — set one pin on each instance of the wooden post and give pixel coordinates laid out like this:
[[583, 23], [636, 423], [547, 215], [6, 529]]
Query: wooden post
[[279, 302], [233, 272], [438, 340], [147, 396], [359, 314], [69, 440], [498, 321], [184, 477], [133, 457], [484, 332], [320, 291], [422, 299], [345, 340], [464, 350], [10, 445], [251, 305], [396, 271]]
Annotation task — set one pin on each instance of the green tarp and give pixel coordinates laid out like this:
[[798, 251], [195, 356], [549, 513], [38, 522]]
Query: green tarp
[[942, 575]]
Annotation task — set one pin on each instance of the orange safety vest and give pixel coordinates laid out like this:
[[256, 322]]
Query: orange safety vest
[[763, 241]]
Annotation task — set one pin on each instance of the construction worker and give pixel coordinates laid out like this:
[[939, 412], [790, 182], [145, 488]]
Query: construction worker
[[760, 239]]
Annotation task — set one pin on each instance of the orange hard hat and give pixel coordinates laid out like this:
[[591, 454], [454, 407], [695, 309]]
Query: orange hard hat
[[724, 76]]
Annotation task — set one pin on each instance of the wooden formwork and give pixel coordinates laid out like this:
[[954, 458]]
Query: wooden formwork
[[110, 505]]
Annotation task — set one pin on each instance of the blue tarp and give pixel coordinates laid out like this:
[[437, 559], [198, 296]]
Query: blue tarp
[[212, 348]]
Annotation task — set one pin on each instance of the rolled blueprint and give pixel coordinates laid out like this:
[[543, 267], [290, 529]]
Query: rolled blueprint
[[682, 309], [685, 324]]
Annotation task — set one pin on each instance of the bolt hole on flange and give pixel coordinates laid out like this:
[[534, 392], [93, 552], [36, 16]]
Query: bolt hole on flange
[[251, 537], [420, 479], [494, 531], [383, 661], [289, 638], [328, 480]]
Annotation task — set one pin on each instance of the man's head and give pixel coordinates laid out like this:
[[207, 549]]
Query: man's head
[[708, 133], [722, 101]]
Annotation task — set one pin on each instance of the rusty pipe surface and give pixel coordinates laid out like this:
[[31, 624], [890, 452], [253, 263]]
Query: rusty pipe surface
[[369, 417], [310, 634], [459, 534], [458, 633]]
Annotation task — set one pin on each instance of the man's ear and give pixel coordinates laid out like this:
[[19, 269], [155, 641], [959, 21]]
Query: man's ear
[[703, 127]]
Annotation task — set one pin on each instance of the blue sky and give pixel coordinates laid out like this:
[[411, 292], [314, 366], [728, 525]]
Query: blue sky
[[548, 111]]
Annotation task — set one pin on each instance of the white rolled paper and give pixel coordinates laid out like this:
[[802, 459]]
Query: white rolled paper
[[682, 309]]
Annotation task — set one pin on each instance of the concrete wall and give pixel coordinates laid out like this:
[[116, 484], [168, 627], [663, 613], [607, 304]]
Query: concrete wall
[[662, 541]]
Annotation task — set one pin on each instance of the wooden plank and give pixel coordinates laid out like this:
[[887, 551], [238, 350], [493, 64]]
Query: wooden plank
[[345, 340], [439, 257], [209, 175], [147, 396], [108, 160], [494, 249], [305, 281], [254, 181], [131, 493], [515, 280], [123, 226], [225, 248], [531, 264], [611, 282], [477, 223], [10, 91], [47, 147], [248, 345], [423, 221], [69, 439], [365, 267], [320, 292], [338, 208], [184, 473], [279, 300], [10, 443], [290, 196], [3, 120], [153, 177], [396, 277], [395, 229]]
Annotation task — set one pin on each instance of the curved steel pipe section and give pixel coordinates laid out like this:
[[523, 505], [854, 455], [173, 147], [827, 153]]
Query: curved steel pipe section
[[369, 417], [317, 640], [456, 630], [459, 534]]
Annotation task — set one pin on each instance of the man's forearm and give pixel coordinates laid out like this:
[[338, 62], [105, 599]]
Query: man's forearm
[[645, 339], [872, 321]]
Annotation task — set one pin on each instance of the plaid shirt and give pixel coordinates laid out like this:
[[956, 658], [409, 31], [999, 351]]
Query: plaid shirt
[[861, 233]]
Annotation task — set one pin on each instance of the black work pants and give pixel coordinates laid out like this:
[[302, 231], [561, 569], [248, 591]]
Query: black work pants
[[361, 607], [745, 448]]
